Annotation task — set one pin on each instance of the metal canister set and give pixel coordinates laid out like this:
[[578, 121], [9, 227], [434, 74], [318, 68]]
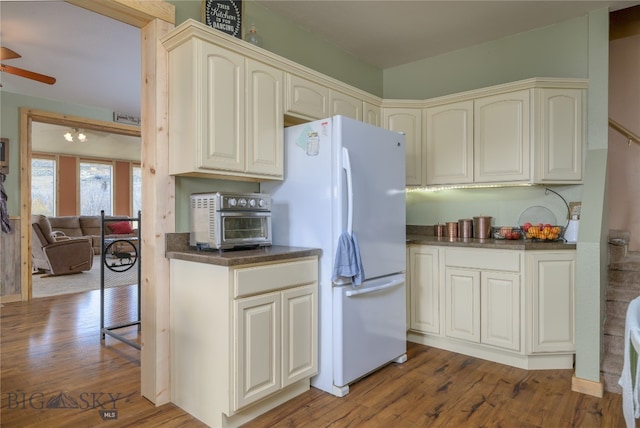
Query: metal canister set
[[478, 227]]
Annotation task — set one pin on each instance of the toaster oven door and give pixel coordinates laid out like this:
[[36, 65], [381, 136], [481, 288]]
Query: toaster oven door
[[242, 229]]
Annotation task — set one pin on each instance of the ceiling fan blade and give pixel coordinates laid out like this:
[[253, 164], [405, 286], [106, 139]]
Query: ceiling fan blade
[[28, 74], [6, 53]]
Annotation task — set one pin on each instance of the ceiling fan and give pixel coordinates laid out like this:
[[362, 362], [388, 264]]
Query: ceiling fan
[[6, 53]]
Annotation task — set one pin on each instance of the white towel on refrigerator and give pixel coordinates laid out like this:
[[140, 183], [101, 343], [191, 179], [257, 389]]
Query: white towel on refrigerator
[[630, 378]]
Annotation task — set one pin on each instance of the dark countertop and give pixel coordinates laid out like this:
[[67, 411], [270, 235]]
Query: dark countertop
[[177, 247], [423, 235]]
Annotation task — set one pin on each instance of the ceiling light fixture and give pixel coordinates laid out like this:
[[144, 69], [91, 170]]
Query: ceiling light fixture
[[75, 134]]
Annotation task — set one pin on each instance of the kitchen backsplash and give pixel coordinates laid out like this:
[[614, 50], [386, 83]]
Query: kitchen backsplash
[[504, 204]]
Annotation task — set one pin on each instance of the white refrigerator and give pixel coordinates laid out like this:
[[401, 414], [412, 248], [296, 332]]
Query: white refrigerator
[[342, 175]]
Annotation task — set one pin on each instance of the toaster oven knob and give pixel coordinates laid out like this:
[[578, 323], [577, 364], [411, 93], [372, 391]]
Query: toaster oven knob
[[232, 202], [252, 203], [242, 202], [261, 203]]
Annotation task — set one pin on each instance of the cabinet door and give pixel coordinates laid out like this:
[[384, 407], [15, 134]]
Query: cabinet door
[[449, 143], [552, 276], [502, 137], [408, 121], [424, 289], [265, 120], [559, 127], [346, 105], [371, 114], [462, 304], [257, 348], [306, 99], [500, 309], [299, 334], [222, 144]]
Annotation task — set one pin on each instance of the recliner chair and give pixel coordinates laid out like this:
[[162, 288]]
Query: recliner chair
[[57, 253]]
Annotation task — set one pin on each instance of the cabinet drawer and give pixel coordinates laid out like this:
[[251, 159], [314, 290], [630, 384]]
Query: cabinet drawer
[[277, 276], [508, 261]]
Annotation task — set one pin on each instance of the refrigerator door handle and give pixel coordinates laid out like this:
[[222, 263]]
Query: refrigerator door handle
[[390, 284], [346, 164]]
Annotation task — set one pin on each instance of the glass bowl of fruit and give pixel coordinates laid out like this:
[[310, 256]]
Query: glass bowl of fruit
[[542, 232], [507, 232]]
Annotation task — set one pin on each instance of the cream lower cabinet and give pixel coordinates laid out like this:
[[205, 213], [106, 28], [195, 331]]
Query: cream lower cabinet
[[510, 306], [243, 339], [424, 292], [551, 288], [483, 307]]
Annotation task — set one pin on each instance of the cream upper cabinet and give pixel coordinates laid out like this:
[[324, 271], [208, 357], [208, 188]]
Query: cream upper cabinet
[[551, 285], [346, 105], [559, 129], [306, 99], [264, 119], [225, 113], [501, 136], [424, 290], [409, 122], [206, 109], [449, 143], [505, 136], [371, 114]]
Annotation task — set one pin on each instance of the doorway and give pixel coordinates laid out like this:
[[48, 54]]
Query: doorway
[[27, 119]]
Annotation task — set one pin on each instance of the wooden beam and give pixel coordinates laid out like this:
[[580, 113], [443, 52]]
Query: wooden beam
[[158, 215], [133, 12]]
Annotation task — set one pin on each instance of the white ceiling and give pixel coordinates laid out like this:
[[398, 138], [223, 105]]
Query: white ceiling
[[96, 60], [49, 138]]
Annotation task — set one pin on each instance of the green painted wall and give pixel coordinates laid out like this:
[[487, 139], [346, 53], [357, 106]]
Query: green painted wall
[[555, 51], [290, 41]]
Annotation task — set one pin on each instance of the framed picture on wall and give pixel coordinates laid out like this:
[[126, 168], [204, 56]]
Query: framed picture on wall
[[4, 155], [224, 15]]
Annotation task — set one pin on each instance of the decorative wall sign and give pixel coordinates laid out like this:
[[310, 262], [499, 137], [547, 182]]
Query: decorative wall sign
[[126, 118], [224, 15]]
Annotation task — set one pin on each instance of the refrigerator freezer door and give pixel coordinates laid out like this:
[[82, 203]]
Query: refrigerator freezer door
[[370, 327]]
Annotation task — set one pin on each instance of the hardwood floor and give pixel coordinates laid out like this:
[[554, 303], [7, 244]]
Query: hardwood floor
[[436, 388], [55, 372]]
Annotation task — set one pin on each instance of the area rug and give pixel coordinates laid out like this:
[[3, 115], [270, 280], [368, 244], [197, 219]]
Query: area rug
[[46, 285]]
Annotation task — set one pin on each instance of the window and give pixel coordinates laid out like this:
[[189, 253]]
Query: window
[[43, 186], [96, 188], [136, 190]]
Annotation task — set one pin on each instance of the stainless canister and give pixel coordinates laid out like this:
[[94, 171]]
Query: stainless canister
[[439, 230], [465, 228], [452, 229], [482, 227]]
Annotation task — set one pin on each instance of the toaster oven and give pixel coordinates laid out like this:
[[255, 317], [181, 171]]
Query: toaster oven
[[224, 221]]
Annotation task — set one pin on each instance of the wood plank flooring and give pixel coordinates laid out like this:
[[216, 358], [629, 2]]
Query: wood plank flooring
[[56, 372]]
